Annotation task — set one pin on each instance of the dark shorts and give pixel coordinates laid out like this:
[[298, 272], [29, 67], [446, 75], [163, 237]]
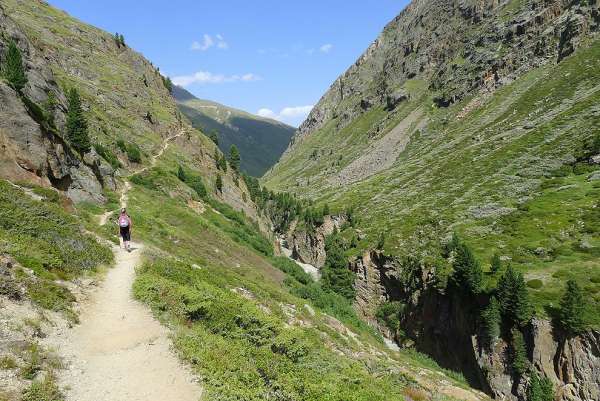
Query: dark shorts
[[125, 233]]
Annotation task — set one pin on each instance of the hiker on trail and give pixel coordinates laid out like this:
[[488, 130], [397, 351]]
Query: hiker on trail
[[125, 224]]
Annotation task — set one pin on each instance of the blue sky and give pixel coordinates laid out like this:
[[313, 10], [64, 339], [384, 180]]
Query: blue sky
[[268, 57]]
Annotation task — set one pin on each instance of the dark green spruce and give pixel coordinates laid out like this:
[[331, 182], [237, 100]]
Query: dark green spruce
[[76, 126], [12, 68]]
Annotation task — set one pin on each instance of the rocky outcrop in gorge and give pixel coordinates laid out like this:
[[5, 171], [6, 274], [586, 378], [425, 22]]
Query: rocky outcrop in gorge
[[308, 244], [443, 326]]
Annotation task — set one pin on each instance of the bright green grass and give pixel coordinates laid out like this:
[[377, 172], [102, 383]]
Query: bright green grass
[[43, 237]]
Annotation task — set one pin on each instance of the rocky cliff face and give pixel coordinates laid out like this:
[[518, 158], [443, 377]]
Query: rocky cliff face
[[30, 149], [458, 47], [442, 326], [308, 246]]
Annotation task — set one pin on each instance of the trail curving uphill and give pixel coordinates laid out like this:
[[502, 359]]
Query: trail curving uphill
[[119, 352]]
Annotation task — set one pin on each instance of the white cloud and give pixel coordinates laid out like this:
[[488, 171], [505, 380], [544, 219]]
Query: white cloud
[[326, 48], [208, 41], [221, 44], [267, 113], [205, 77], [291, 115]]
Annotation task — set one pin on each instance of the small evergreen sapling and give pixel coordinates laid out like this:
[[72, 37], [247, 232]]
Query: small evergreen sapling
[[540, 389]]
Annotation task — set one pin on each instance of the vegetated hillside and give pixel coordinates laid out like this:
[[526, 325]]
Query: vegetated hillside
[[261, 141], [478, 118], [507, 165], [253, 326]]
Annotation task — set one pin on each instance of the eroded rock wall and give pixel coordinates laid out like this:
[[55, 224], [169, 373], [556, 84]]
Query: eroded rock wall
[[444, 327], [32, 150]]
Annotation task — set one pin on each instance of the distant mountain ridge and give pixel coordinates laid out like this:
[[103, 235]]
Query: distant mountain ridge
[[261, 141]]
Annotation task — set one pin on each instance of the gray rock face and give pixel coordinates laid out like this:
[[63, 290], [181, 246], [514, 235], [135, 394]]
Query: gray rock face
[[33, 152], [440, 326], [309, 247], [457, 47]]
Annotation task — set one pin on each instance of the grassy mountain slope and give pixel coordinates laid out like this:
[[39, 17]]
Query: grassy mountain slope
[[250, 331], [261, 141], [503, 164]]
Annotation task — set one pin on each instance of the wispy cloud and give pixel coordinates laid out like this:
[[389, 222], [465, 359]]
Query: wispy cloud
[[291, 115], [326, 48], [208, 41], [205, 77]]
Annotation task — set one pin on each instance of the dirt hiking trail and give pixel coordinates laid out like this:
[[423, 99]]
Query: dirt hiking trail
[[119, 352]]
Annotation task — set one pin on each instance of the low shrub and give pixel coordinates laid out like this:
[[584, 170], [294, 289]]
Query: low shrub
[[45, 390], [134, 153], [535, 284], [108, 155]]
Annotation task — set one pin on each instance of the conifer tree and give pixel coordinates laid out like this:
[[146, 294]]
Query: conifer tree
[[467, 275], [12, 68], [495, 264], [337, 277], [234, 157], [223, 163], [514, 299], [181, 173], [540, 389], [77, 128], [518, 353], [168, 83], [214, 136], [490, 323], [219, 183], [572, 310]]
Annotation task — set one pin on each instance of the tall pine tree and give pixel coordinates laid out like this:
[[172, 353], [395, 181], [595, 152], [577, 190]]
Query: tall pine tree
[[518, 353], [490, 323], [337, 277], [572, 310], [467, 276], [234, 157], [514, 299], [12, 68], [77, 127]]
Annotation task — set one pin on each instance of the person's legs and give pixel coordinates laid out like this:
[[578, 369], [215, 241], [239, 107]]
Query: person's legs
[[128, 240]]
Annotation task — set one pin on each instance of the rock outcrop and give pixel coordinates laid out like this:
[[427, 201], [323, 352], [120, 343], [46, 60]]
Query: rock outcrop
[[32, 149], [308, 246], [441, 325]]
